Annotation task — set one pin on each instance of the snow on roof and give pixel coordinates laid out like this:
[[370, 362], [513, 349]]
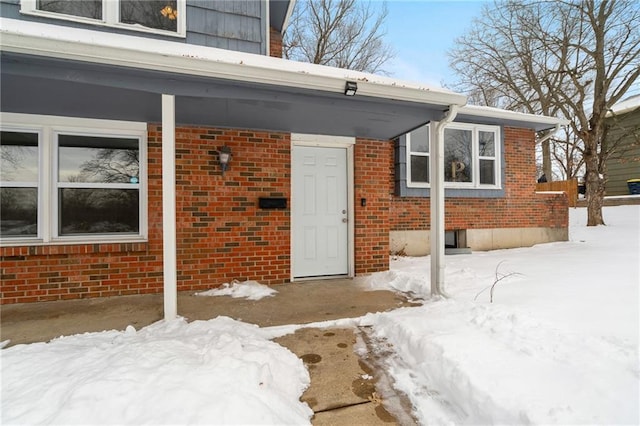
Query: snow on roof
[[98, 46], [628, 105], [503, 114], [142, 52]]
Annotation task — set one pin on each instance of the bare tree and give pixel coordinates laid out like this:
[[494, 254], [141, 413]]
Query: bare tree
[[340, 33], [574, 58], [567, 155], [111, 165]]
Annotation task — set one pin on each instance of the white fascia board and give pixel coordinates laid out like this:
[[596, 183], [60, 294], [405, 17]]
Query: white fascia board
[[503, 114], [33, 38], [625, 106]]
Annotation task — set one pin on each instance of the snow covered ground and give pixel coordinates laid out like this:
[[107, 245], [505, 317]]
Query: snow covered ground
[[559, 345], [220, 371], [250, 290]]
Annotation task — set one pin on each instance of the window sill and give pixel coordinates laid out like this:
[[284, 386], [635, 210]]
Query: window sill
[[38, 248], [89, 21], [457, 187], [456, 192]]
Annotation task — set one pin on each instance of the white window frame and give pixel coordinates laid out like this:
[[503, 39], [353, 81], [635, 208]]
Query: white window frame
[[48, 127], [475, 183], [39, 181], [110, 17], [410, 183]]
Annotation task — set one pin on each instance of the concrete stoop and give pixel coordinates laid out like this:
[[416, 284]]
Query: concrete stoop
[[343, 386], [344, 390]]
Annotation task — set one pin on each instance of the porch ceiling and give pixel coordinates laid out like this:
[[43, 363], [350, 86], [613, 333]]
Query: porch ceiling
[[81, 72], [41, 85]]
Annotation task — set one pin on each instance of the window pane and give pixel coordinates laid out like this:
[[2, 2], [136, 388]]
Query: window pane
[[487, 172], [85, 8], [457, 155], [98, 211], [18, 157], [487, 146], [19, 212], [97, 159], [420, 139], [419, 169], [162, 15]]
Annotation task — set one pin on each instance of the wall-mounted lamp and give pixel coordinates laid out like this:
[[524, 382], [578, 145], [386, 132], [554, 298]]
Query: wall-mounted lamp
[[224, 156], [350, 88]]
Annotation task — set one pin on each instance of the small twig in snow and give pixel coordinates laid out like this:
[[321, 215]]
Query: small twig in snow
[[496, 281]]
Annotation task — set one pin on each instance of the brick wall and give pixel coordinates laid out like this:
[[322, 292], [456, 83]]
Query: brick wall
[[31, 274], [221, 233], [372, 176], [521, 206], [275, 43]]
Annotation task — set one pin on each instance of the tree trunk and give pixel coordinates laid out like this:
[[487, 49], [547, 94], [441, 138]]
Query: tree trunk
[[594, 182]]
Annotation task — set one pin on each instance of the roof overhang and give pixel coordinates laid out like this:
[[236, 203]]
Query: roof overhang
[[623, 107], [279, 13], [253, 84], [489, 115]]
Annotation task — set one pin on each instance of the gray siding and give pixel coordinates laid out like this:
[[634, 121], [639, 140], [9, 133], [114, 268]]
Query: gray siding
[[624, 164], [234, 25], [239, 25]]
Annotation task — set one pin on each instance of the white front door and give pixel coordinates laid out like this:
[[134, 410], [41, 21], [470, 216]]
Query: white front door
[[319, 212]]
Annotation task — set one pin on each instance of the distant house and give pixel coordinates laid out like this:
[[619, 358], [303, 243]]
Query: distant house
[[623, 122], [116, 117]]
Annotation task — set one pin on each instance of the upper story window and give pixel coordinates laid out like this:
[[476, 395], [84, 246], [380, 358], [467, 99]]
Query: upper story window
[[71, 180], [471, 156], [159, 16]]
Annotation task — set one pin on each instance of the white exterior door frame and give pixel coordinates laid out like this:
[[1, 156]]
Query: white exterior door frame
[[325, 141]]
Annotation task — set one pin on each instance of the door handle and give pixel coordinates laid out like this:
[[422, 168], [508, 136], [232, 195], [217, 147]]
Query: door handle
[[345, 220]]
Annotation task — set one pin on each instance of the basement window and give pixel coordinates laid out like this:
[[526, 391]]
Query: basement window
[[455, 242]]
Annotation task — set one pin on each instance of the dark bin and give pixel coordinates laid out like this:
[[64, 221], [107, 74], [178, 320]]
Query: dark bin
[[582, 189], [634, 186]]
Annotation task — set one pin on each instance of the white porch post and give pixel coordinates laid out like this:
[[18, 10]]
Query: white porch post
[[437, 202], [169, 207]]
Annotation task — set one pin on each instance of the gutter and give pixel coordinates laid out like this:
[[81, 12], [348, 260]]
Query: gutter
[[502, 114], [29, 38], [550, 133], [451, 115]]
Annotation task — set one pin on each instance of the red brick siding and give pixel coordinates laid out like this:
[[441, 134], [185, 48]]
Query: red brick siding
[[275, 43], [221, 233], [31, 274], [371, 178], [521, 206]]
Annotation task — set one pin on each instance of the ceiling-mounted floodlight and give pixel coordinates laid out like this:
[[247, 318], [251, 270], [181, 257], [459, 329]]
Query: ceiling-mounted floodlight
[[350, 88]]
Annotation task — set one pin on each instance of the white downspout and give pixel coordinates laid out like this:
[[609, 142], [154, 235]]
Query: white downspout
[[169, 248], [437, 202], [551, 133]]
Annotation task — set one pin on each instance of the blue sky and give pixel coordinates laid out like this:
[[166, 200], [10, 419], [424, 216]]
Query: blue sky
[[421, 32]]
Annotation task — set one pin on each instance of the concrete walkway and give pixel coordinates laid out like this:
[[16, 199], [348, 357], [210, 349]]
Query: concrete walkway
[[342, 389]]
